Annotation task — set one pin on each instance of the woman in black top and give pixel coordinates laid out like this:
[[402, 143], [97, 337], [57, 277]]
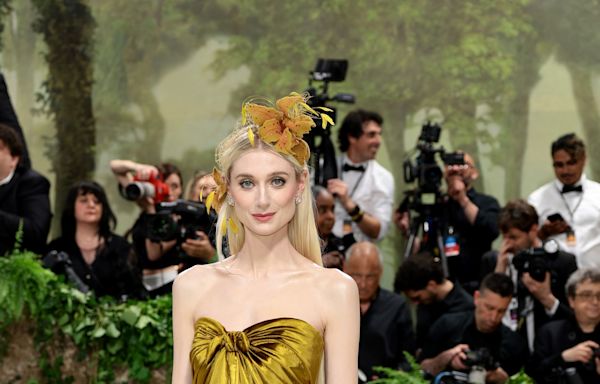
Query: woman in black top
[[100, 258]]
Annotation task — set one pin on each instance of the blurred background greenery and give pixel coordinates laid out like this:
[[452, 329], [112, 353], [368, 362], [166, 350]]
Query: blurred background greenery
[[158, 80]]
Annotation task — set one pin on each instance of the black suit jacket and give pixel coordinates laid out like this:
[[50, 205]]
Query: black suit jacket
[[9, 117], [547, 365], [25, 198]]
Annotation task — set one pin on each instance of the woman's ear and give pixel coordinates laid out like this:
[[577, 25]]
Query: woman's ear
[[302, 180]]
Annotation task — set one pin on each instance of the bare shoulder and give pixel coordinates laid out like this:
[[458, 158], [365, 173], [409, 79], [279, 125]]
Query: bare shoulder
[[195, 279], [339, 286]]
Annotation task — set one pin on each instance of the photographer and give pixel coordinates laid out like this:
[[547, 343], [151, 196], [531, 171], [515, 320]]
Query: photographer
[[333, 247], [472, 217], [421, 279], [159, 260], [537, 299], [566, 351], [199, 249], [100, 259], [454, 334], [364, 191]]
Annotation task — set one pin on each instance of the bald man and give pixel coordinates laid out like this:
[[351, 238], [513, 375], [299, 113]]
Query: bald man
[[385, 324]]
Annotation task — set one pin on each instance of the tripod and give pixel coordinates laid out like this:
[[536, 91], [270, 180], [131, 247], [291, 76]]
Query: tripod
[[429, 223]]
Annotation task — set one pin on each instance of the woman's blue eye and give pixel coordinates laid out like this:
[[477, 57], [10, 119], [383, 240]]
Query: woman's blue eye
[[278, 182], [246, 183]]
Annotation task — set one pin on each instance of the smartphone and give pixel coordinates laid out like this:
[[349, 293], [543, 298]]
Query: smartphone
[[555, 217]]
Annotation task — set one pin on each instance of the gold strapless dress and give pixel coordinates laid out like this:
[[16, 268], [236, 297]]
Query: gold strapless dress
[[282, 350]]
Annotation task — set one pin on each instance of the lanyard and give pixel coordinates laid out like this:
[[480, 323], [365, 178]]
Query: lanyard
[[357, 182], [571, 211]]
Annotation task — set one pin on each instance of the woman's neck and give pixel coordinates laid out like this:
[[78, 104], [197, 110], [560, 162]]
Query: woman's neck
[[86, 234], [88, 240], [260, 256]]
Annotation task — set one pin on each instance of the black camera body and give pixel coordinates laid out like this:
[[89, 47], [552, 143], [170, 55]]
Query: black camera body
[[481, 357], [60, 263], [426, 170], [536, 261], [323, 161], [179, 220]]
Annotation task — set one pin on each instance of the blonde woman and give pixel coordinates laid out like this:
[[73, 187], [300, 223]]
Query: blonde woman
[[270, 312]]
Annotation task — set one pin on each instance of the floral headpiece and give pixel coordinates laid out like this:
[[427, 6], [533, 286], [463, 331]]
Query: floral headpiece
[[281, 126], [284, 126]]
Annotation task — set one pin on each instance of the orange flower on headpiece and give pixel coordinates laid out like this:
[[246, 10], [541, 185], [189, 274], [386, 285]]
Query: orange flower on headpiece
[[284, 126], [216, 198]]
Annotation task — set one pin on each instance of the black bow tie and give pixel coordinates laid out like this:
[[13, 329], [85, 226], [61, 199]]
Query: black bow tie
[[349, 167], [571, 188]]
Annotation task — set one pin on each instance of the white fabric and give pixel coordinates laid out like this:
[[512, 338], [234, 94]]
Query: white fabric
[[374, 194], [8, 178], [585, 217]]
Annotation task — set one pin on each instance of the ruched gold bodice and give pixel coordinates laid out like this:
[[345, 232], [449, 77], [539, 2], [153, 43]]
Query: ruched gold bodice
[[282, 350]]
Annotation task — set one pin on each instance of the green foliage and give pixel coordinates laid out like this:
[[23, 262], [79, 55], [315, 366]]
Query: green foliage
[[134, 335], [520, 378], [67, 27], [5, 10], [414, 376]]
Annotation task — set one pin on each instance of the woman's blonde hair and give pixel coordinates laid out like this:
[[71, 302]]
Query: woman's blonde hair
[[302, 229]]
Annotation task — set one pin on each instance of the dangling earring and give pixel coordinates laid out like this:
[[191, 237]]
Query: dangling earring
[[298, 199], [230, 200]]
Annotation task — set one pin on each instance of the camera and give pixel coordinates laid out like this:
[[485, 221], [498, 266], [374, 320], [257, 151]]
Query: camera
[[154, 187], [481, 357], [60, 263], [535, 260], [426, 170], [426, 198], [179, 220], [322, 161]]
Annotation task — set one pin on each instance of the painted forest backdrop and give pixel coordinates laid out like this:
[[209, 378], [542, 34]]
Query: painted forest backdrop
[[156, 80]]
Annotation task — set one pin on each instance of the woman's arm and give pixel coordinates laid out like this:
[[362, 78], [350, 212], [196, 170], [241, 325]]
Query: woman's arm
[[123, 170], [342, 328], [183, 328]]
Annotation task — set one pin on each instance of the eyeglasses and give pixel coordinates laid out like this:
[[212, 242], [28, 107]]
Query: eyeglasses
[[588, 296]]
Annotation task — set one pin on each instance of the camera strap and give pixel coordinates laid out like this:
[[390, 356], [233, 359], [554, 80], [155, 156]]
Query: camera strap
[[358, 181], [566, 203]]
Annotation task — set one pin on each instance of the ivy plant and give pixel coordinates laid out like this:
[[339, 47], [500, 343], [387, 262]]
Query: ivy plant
[[132, 335]]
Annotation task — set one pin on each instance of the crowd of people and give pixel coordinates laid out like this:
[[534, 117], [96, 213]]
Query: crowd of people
[[533, 303]]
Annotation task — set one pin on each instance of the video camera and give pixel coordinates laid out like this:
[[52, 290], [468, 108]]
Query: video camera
[[153, 187], [322, 150], [60, 263], [426, 170], [535, 261], [179, 220], [426, 199]]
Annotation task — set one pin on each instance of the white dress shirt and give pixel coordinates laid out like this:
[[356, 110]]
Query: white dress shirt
[[581, 210], [372, 190]]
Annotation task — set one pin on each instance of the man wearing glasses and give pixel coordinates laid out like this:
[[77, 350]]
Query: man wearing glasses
[[569, 207], [567, 350]]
